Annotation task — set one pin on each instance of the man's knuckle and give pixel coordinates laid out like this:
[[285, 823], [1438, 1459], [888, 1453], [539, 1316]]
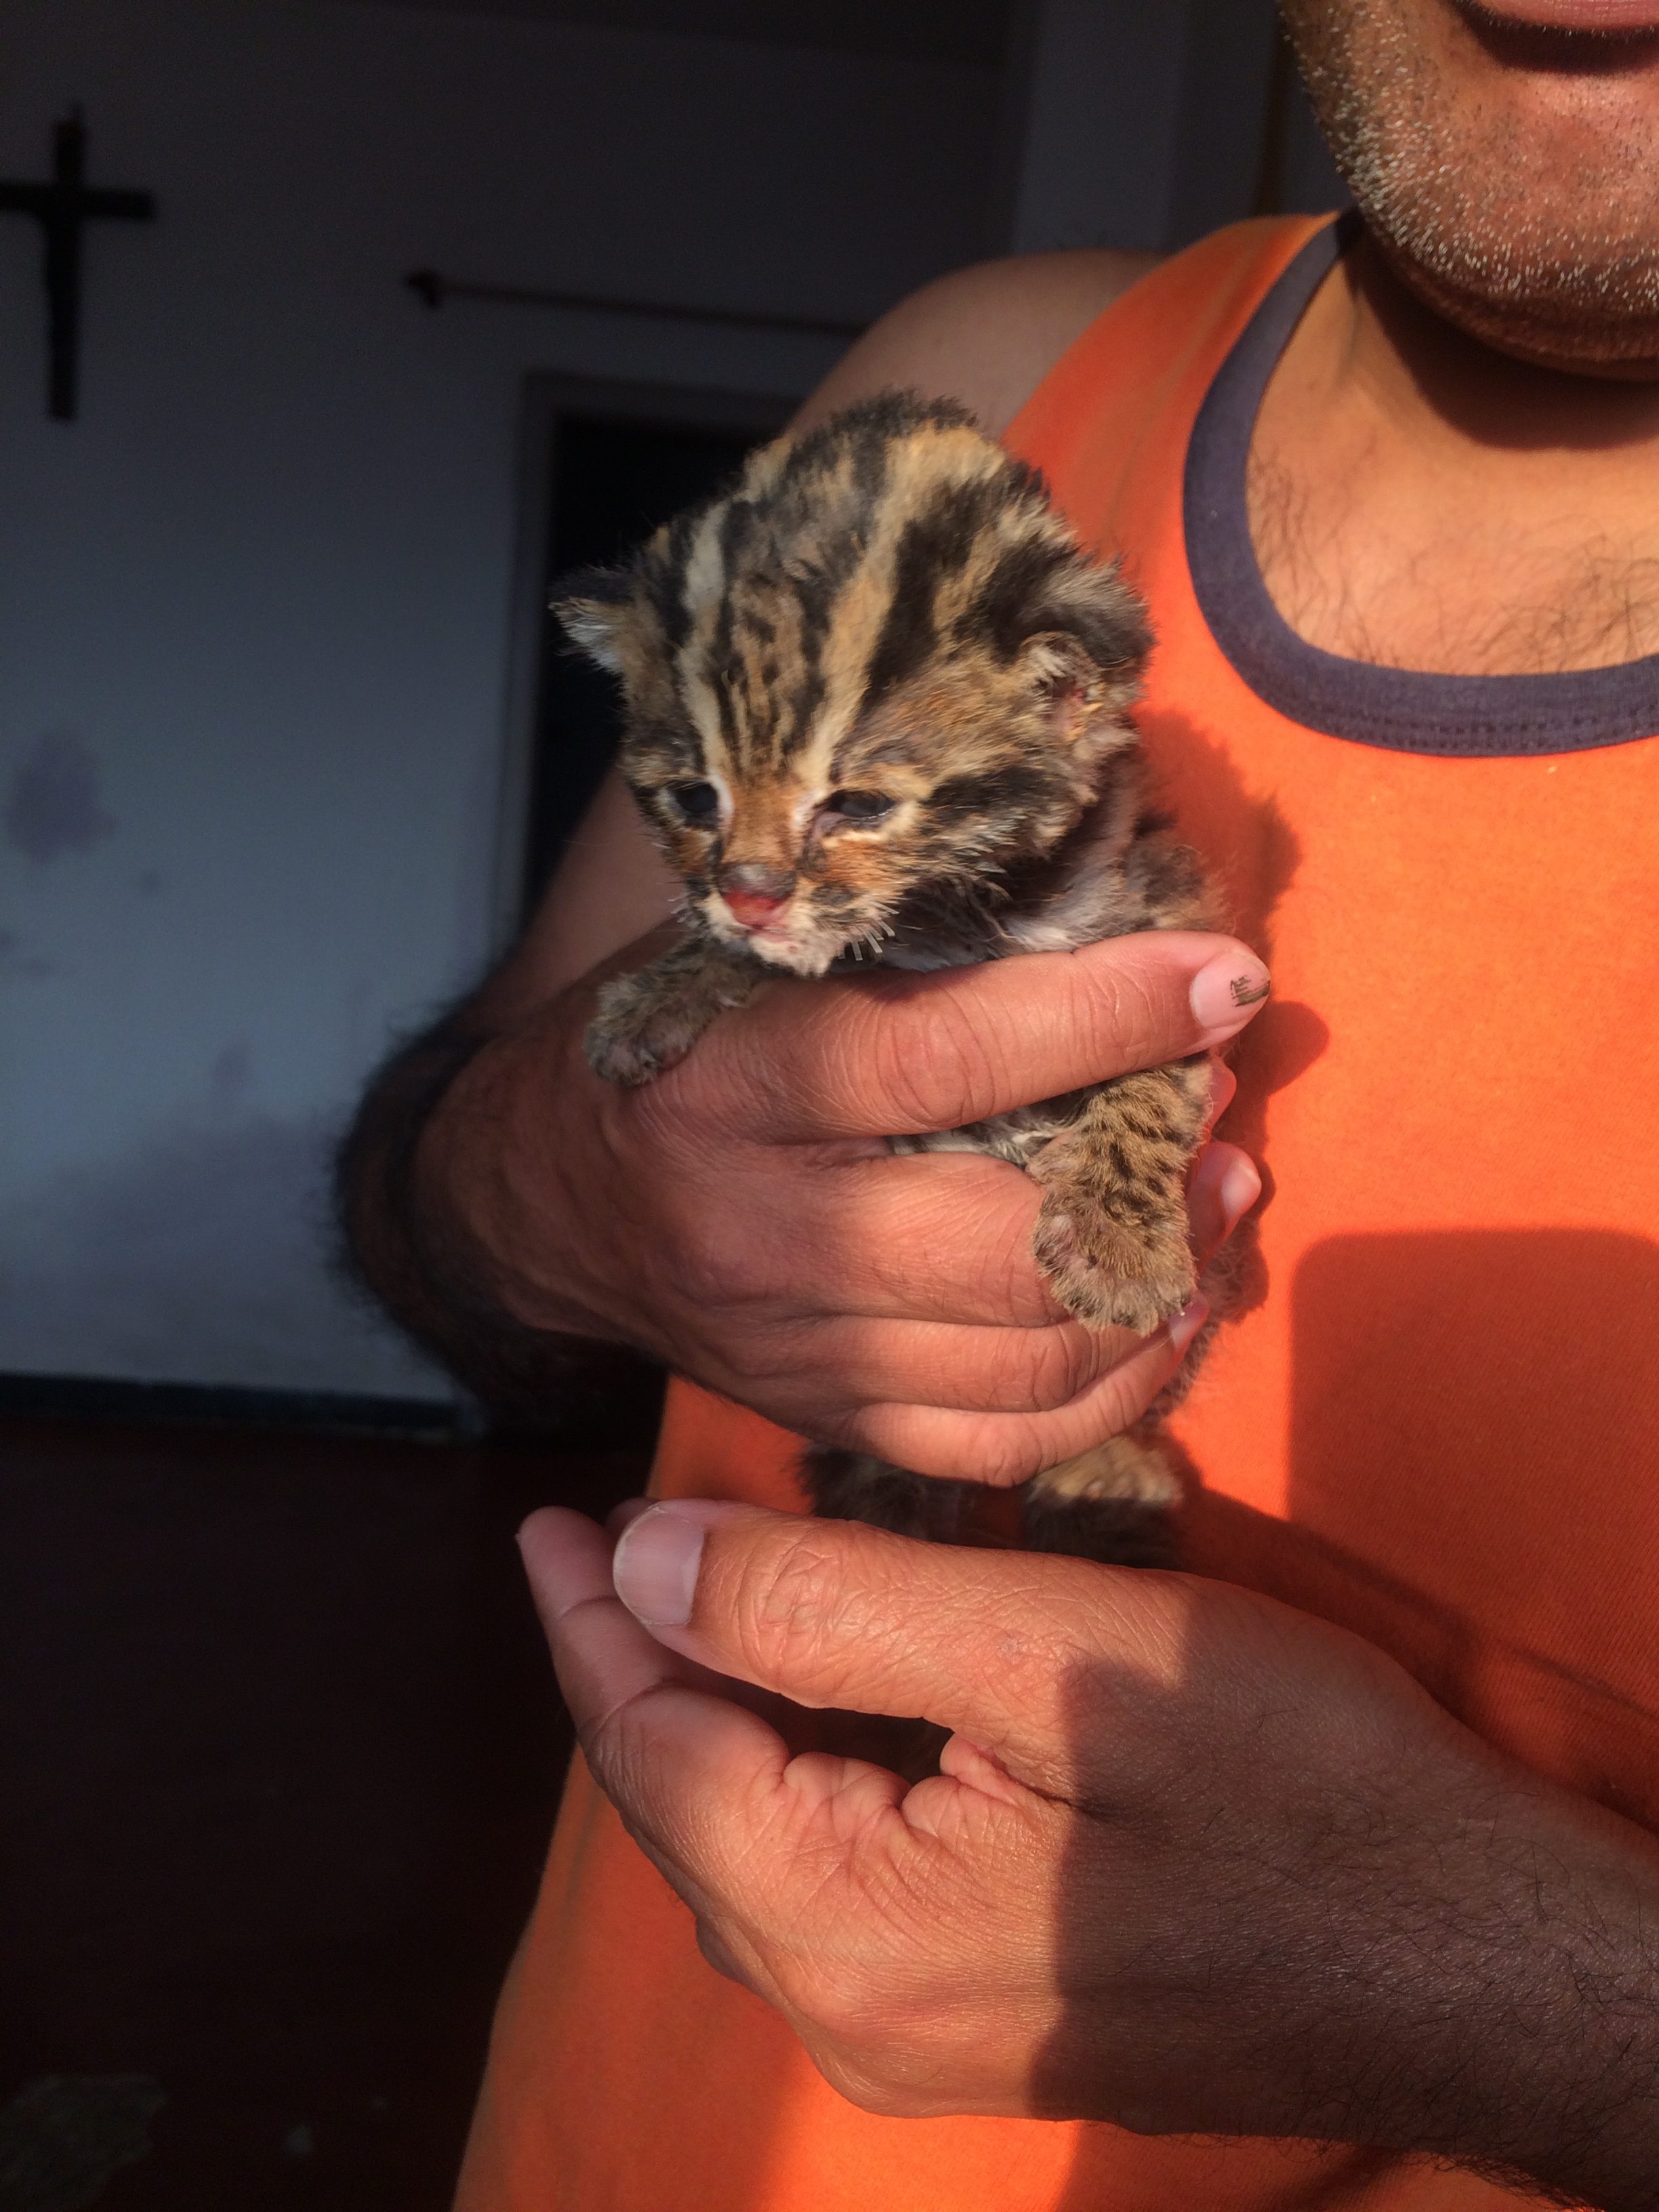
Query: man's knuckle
[[1128, 1018], [843, 2005], [852, 2071], [662, 1119], [1007, 1452], [786, 1613], [1009, 1269], [707, 1272], [716, 1256], [758, 1353], [1056, 1364], [746, 1361], [937, 1063]]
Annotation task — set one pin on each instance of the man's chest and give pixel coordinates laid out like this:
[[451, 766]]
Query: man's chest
[[1399, 572], [1439, 1423]]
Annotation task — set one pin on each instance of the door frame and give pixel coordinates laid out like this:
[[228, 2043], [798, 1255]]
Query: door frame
[[547, 396]]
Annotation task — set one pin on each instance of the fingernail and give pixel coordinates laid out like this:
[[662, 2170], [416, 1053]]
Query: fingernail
[[1224, 992], [655, 1566], [1187, 1323], [1240, 1186]]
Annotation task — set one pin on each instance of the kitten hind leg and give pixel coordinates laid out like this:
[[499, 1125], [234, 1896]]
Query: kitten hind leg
[[647, 1021], [1112, 1234], [1112, 1503], [855, 1485]]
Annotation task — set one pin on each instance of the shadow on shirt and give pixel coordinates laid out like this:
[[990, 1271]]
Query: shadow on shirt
[[1473, 1455]]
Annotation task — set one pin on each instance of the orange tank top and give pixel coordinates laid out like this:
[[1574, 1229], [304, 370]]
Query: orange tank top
[[1440, 1426]]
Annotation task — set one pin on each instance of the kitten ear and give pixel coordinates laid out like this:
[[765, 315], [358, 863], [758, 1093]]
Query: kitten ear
[[594, 608], [1089, 632], [1082, 700], [1056, 663]]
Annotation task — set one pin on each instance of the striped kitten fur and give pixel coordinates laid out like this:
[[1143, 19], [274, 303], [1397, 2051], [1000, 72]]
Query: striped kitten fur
[[875, 710]]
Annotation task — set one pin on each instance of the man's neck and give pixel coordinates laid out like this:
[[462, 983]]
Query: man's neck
[[1421, 501]]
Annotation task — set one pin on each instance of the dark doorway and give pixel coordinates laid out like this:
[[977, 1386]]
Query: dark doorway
[[610, 477]]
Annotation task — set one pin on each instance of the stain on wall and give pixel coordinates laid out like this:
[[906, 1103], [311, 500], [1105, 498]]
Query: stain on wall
[[53, 802], [260, 593]]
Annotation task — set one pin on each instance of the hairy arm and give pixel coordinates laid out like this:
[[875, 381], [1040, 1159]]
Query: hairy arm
[[417, 1253], [1194, 1863], [488, 1098]]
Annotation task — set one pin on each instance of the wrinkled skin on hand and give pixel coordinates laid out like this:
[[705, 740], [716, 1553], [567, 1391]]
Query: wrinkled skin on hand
[[742, 1219], [1195, 1862]]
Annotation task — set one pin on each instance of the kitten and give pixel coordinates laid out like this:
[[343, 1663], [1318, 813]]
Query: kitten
[[875, 704]]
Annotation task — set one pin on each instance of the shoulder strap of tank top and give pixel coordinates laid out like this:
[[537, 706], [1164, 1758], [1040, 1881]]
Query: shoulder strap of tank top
[[1159, 345]]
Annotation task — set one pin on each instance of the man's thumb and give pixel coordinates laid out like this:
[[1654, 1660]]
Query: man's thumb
[[831, 1613]]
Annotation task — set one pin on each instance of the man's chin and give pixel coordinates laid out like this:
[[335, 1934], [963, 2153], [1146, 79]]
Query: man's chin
[[1543, 323], [1504, 159]]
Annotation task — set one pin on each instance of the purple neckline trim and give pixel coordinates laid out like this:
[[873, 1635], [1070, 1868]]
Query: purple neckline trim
[[1403, 709]]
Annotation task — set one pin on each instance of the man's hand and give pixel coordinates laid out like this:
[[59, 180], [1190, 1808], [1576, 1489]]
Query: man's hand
[[1195, 1863], [742, 1219]]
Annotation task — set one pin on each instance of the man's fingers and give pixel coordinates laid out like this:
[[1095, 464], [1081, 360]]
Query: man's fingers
[[1226, 1184], [1000, 1370], [1004, 1450], [895, 1055], [628, 1696], [1223, 1089], [707, 1787], [995, 1645], [604, 1661], [941, 1237]]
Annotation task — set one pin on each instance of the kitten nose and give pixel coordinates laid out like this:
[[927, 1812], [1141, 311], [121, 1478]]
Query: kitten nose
[[753, 891]]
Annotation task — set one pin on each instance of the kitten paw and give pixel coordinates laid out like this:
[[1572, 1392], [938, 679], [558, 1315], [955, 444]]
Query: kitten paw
[[1111, 1277], [647, 1022], [633, 1037]]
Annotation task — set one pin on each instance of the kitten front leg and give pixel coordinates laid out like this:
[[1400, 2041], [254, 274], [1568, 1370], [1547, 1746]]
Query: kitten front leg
[[647, 1021], [1112, 1233]]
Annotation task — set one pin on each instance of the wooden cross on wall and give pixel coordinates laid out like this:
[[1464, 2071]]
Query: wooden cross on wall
[[60, 206]]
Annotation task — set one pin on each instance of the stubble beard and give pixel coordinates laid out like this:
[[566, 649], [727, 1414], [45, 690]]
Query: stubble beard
[[1549, 252]]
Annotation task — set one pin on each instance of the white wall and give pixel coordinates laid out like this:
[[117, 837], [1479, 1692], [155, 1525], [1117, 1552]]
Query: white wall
[[253, 605]]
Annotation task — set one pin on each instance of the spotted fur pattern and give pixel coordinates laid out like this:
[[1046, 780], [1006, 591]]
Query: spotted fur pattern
[[876, 709]]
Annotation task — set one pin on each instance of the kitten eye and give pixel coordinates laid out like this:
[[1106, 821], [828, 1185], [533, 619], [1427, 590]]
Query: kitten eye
[[858, 805], [698, 802]]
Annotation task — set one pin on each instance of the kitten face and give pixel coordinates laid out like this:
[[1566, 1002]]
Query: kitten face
[[880, 665]]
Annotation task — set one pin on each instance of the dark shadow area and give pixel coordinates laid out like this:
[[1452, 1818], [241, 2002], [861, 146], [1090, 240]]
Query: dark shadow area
[[612, 480], [1472, 1419], [279, 1754], [1250, 854], [1530, 407]]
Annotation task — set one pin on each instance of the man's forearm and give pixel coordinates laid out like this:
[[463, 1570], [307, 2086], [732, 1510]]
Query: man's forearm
[[1566, 2029], [417, 1256]]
